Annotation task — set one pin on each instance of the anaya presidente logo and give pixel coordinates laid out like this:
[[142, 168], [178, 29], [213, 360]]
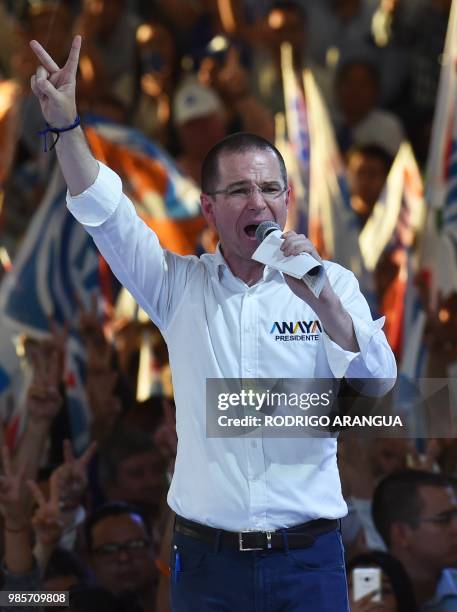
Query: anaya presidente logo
[[300, 330]]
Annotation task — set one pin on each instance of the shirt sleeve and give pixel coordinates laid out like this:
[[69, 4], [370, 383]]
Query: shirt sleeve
[[375, 359], [26, 582], [155, 277], [372, 537]]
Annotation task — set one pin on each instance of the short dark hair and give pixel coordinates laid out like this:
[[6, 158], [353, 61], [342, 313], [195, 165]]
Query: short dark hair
[[240, 142], [115, 508], [372, 150], [397, 500], [121, 445]]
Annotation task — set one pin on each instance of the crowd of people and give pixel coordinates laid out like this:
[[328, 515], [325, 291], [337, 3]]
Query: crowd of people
[[186, 74]]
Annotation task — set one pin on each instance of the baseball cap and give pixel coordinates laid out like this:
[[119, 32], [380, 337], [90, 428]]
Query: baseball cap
[[193, 100]]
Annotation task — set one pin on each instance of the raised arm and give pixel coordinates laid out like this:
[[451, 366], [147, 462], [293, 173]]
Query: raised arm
[[55, 89], [156, 278]]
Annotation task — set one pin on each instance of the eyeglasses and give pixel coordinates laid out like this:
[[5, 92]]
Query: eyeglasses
[[242, 193], [445, 518], [113, 549]]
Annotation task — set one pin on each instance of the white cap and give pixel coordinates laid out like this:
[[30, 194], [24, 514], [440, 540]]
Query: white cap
[[193, 100]]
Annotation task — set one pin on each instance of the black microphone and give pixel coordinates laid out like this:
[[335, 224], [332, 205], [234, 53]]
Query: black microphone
[[265, 228]]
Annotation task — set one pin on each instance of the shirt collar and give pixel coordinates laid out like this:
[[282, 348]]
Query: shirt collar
[[447, 588], [447, 584], [220, 265]]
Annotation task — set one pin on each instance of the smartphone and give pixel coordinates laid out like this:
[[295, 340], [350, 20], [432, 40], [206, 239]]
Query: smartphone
[[366, 580]]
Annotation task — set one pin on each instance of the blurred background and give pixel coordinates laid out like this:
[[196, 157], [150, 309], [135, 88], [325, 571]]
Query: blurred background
[[360, 97]]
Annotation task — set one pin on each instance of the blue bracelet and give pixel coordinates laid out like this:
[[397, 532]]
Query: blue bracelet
[[53, 130]]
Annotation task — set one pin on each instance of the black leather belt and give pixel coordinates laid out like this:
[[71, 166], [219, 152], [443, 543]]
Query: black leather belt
[[299, 536]]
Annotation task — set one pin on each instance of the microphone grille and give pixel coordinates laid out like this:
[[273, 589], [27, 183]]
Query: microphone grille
[[265, 228]]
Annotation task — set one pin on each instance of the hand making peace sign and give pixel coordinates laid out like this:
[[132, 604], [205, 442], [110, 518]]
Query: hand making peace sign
[[55, 87]]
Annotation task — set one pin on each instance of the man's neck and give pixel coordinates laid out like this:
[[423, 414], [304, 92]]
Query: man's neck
[[424, 581], [249, 271], [361, 208]]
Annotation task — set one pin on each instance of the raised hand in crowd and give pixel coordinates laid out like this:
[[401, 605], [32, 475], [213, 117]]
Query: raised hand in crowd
[[43, 399], [99, 350], [366, 604], [105, 405], [441, 334], [230, 80], [15, 511], [102, 376], [128, 336], [71, 476], [14, 506], [49, 520]]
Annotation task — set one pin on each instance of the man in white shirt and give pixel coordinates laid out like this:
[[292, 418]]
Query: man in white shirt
[[257, 519]]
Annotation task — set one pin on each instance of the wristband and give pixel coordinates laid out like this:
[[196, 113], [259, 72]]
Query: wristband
[[53, 130]]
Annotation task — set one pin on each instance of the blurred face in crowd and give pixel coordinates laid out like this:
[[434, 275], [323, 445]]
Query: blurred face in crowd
[[389, 455], [156, 50], [197, 136], [388, 599], [357, 92], [237, 216], [141, 481], [367, 175], [286, 25], [434, 541], [107, 14], [121, 557]]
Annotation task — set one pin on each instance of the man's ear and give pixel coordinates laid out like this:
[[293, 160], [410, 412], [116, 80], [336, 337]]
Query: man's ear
[[401, 535], [207, 206]]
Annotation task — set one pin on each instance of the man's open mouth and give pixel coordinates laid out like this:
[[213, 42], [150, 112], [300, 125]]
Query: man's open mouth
[[251, 229]]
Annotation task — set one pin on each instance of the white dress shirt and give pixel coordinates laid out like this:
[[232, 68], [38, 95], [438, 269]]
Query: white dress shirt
[[216, 326]]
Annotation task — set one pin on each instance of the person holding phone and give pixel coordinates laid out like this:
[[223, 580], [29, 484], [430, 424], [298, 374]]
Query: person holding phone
[[252, 515], [393, 590]]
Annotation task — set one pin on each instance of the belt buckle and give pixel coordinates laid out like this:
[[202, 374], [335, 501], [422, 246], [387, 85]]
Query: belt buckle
[[240, 540]]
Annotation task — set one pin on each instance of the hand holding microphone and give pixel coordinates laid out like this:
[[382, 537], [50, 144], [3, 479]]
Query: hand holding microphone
[[290, 253]]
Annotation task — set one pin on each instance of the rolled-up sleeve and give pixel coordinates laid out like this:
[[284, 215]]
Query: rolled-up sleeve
[[95, 205], [375, 359]]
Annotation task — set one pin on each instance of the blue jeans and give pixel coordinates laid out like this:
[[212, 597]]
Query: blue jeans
[[296, 580]]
